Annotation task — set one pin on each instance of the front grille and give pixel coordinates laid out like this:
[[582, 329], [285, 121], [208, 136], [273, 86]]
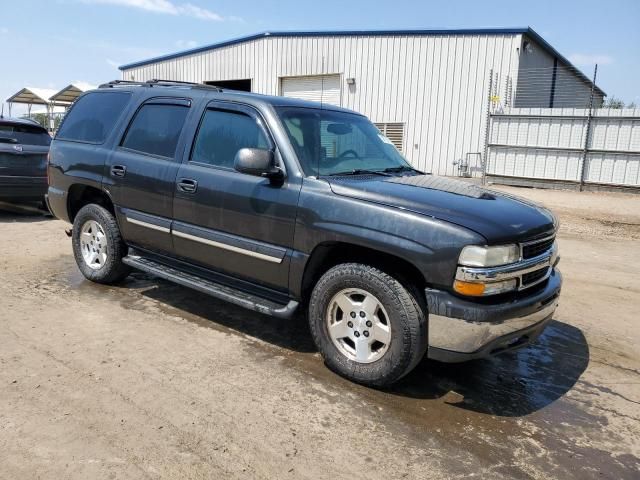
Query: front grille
[[531, 278], [533, 249]]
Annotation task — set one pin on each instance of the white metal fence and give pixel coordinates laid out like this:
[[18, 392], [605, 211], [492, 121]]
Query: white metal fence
[[565, 145]]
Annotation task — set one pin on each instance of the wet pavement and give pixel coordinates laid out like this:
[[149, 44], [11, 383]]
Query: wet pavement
[[207, 389], [485, 407]]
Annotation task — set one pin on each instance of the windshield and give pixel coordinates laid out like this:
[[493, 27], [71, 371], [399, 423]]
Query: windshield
[[24, 134], [334, 143]]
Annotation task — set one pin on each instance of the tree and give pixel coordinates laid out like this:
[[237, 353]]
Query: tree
[[613, 102], [43, 119]]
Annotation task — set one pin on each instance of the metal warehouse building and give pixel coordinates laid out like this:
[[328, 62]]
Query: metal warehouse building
[[427, 90]]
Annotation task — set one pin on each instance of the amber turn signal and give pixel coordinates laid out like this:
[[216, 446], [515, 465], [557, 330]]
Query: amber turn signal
[[468, 288]]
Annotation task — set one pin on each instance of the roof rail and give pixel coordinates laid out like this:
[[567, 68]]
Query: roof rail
[[115, 83], [160, 83]]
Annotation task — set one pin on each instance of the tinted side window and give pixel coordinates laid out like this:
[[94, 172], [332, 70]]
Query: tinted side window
[[155, 129], [222, 134], [93, 116]]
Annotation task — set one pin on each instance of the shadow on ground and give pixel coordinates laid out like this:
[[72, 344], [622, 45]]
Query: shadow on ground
[[291, 334], [22, 213], [511, 385]]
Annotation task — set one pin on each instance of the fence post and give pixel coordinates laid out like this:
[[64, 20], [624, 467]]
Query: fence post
[[587, 135], [487, 132]]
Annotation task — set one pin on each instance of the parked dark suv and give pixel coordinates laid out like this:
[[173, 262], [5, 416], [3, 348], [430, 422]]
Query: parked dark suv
[[24, 145], [280, 205]]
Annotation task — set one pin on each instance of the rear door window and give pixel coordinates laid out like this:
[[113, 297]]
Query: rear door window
[[93, 116], [156, 128], [24, 134]]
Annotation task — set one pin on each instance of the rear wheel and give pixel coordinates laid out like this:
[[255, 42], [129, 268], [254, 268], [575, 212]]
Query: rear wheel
[[367, 325], [97, 245]]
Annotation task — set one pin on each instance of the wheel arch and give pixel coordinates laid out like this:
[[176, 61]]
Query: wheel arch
[[80, 195], [329, 254]]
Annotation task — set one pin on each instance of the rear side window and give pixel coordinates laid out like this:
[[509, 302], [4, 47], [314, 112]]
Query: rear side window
[[155, 129], [222, 134], [93, 116], [24, 134]]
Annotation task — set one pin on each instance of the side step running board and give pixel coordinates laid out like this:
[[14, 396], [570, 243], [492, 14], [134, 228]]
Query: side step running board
[[217, 290]]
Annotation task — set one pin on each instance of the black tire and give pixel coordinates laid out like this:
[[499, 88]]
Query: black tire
[[112, 270], [407, 321]]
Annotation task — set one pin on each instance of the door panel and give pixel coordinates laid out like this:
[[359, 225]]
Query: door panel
[[238, 224], [232, 243], [235, 223], [142, 172], [144, 193]]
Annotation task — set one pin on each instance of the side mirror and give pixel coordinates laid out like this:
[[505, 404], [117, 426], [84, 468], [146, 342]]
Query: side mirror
[[258, 162]]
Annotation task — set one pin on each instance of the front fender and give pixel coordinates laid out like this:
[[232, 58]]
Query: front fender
[[431, 245]]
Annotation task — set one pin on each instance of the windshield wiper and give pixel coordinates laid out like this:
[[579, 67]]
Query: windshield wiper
[[401, 168], [360, 171]]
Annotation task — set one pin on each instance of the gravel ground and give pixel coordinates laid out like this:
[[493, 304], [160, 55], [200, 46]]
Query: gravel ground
[[151, 380]]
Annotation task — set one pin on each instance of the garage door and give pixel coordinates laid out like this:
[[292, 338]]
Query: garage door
[[318, 88]]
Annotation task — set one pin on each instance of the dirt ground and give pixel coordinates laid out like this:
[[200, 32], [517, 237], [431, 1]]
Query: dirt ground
[[151, 380]]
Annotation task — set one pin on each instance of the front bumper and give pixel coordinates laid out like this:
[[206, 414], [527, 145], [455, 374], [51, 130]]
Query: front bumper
[[461, 330]]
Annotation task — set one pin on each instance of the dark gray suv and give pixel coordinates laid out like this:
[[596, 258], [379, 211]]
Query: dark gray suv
[[24, 146], [280, 206]]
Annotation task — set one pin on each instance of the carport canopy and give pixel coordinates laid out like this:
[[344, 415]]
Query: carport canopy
[[32, 96], [70, 93]]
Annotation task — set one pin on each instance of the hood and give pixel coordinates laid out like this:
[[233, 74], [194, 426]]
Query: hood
[[499, 217]]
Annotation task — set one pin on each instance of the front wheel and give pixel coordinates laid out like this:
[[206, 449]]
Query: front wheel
[[97, 245], [367, 325]]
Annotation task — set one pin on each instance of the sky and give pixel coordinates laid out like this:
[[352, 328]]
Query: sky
[[51, 43]]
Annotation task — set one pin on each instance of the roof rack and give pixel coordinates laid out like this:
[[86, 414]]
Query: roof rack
[[156, 82]]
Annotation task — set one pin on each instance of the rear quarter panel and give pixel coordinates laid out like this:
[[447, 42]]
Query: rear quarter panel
[[72, 163]]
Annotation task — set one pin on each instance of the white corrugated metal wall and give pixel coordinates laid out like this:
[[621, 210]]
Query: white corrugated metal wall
[[549, 144], [436, 85]]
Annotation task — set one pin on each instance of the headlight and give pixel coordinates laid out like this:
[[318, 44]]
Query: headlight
[[477, 256], [486, 257]]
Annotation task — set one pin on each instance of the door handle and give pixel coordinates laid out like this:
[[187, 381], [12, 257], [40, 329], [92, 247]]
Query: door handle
[[187, 185], [118, 170]]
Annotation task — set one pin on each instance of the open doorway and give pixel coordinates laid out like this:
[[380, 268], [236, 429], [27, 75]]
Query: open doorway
[[242, 85]]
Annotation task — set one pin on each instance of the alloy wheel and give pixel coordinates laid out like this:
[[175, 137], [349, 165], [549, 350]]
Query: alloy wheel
[[93, 244], [358, 325]]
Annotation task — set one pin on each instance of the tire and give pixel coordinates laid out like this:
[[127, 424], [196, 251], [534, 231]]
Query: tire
[[398, 320], [95, 231]]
